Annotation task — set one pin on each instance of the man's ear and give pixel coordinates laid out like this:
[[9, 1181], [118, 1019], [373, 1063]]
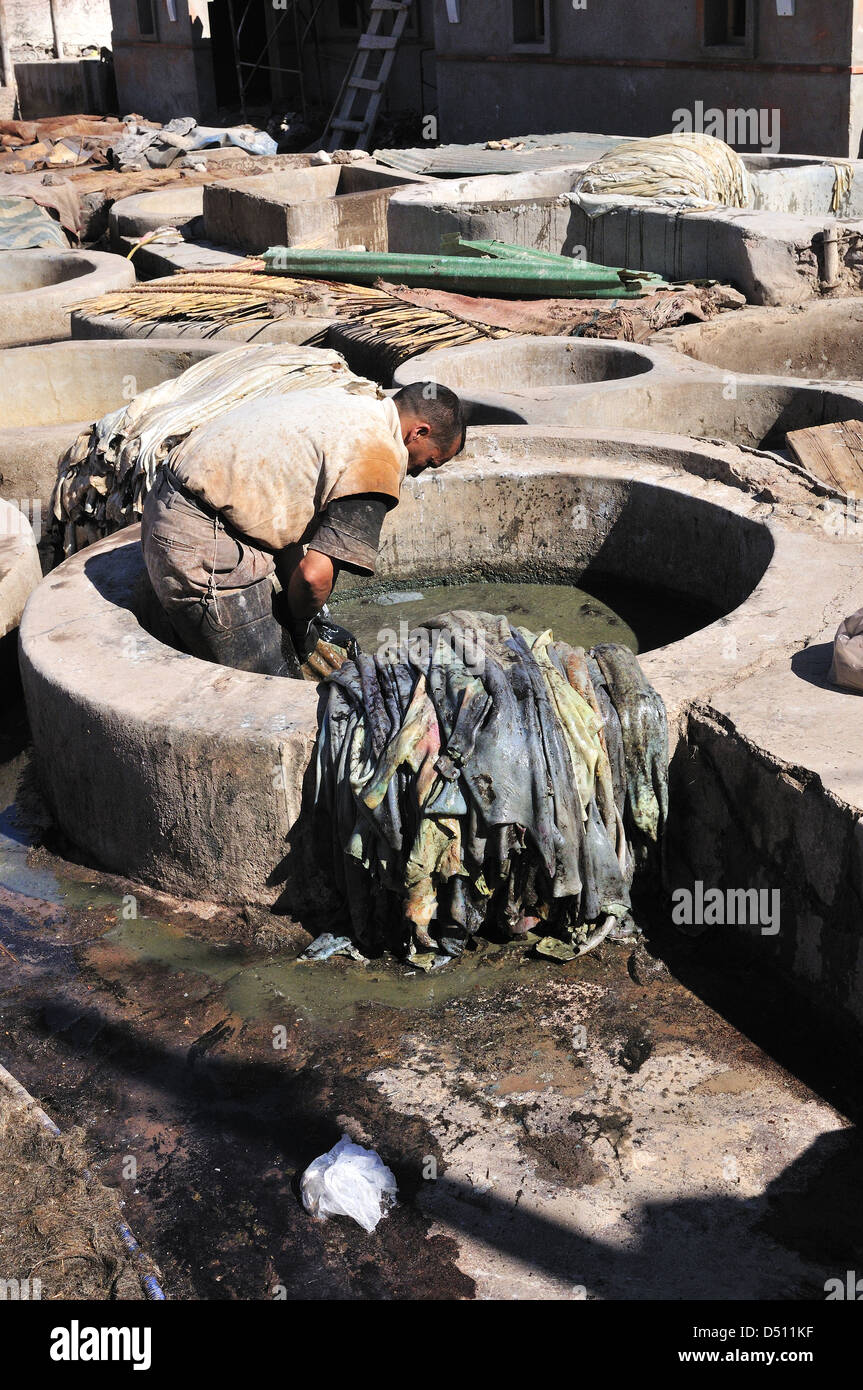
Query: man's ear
[[419, 429]]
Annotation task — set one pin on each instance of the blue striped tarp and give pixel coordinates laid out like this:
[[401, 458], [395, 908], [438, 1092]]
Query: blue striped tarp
[[24, 224]]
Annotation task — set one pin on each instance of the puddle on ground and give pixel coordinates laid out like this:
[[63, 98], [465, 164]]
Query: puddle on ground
[[254, 983], [326, 991], [17, 839]]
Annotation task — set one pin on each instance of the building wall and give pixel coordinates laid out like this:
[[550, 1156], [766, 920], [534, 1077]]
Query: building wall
[[172, 75], [856, 99], [164, 76], [82, 24], [47, 86], [585, 75]]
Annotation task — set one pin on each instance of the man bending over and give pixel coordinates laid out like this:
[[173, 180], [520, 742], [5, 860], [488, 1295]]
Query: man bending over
[[294, 487]]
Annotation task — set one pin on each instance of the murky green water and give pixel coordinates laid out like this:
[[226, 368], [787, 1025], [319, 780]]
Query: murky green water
[[573, 615], [640, 616], [254, 983], [257, 985]]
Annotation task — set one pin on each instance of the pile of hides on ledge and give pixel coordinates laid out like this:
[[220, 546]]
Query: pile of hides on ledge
[[104, 478], [629, 321], [144, 144], [687, 168], [24, 225], [56, 142], [481, 776]]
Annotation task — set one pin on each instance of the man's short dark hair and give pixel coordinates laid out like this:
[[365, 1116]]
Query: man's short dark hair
[[440, 406]]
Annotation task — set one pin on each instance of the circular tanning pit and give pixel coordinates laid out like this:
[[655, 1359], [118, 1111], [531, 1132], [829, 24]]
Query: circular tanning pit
[[536, 380], [50, 393], [653, 389], [175, 206], [820, 341], [193, 777], [39, 288]]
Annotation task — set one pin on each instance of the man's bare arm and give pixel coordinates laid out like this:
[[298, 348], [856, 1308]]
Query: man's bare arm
[[310, 586]]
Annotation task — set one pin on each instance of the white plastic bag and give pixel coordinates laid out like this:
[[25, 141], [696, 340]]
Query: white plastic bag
[[349, 1181]]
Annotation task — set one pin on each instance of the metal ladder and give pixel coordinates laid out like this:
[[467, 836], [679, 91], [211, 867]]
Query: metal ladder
[[343, 121]]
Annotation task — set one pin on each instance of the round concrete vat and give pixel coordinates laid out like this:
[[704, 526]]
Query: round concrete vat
[[821, 341], [584, 384], [51, 392], [500, 378], [176, 206], [190, 777], [20, 572], [38, 290]]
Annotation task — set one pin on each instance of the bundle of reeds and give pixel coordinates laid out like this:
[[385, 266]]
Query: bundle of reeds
[[383, 335], [233, 296]]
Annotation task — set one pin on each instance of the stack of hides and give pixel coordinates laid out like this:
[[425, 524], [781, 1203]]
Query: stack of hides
[[104, 478], [482, 776], [688, 167]]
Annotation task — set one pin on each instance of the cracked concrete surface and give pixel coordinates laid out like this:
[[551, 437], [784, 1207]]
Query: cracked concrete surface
[[580, 1179]]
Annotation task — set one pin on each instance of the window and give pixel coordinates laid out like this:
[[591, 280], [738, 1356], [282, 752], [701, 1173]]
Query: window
[[726, 22], [352, 16], [529, 21], [146, 19]]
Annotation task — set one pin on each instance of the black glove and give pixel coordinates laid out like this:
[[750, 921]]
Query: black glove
[[321, 628], [328, 631], [303, 638]]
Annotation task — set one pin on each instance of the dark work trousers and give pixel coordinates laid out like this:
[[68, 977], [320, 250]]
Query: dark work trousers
[[214, 585]]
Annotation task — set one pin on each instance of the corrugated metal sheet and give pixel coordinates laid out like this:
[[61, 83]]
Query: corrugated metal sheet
[[536, 152]]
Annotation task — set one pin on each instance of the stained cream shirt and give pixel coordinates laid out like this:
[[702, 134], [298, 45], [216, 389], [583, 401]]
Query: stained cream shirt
[[272, 466]]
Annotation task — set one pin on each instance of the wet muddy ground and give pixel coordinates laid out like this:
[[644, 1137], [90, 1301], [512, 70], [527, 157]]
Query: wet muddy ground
[[624, 1126]]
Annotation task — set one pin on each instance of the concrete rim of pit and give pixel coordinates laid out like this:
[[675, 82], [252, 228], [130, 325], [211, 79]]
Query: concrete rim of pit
[[42, 315], [20, 571], [188, 776], [749, 338], [679, 394], [597, 365]]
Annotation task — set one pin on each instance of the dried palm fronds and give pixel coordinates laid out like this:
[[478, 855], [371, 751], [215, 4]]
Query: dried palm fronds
[[232, 294], [391, 330], [378, 338]]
